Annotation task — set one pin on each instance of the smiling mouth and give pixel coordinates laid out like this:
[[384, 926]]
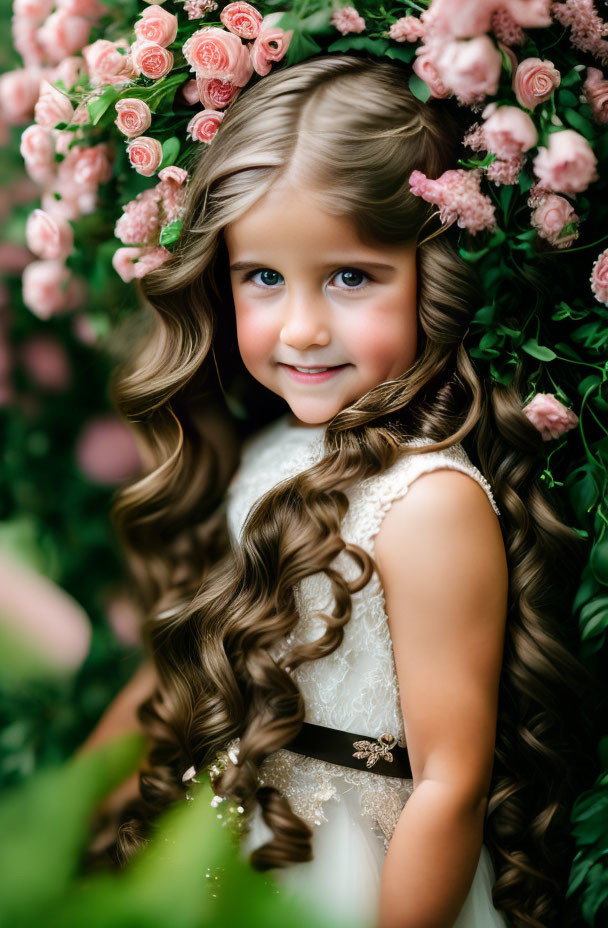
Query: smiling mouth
[[313, 374]]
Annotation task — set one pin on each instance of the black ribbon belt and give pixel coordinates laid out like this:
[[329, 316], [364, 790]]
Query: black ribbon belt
[[379, 755]]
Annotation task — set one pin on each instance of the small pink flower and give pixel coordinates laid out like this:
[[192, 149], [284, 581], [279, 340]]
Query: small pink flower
[[130, 263], [25, 39], [595, 89], [505, 172], [196, 9], [549, 416], [140, 222], [90, 8], [425, 66], [213, 52], [151, 59], [48, 288], [52, 107], [531, 14], [37, 146], [46, 361], [173, 174], [568, 165], [271, 45], [555, 219], [134, 116], [19, 91], [215, 94], [36, 10], [462, 18], [189, 91], [48, 237], [509, 132], [156, 25], [346, 19], [106, 65], [69, 70], [587, 27], [145, 154], [106, 451], [89, 166], [62, 35], [506, 29], [203, 125], [457, 194], [243, 19], [599, 277], [470, 68], [534, 81], [407, 29]]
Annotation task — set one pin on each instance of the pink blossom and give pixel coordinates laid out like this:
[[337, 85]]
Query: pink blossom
[[174, 175], [474, 137], [172, 191], [462, 18], [243, 19], [37, 148], [196, 9], [244, 66], [599, 277], [215, 94], [48, 288], [145, 154], [505, 28], [46, 361], [189, 90], [587, 28], [549, 416], [346, 19], [134, 116], [68, 71], [156, 25], [62, 35], [124, 619], [555, 219], [505, 171], [534, 81], [407, 29], [25, 39], [425, 66], [19, 90], [151, 59], [52, 107], [48, 237], [509, 132], [89, 166], [531, 14], [271, 45], [203, 125], [90, 8], [595, 89], [213, 52], [139, 223], [83, 330], [568, 165], [130, 263], [106, 451], [106, 65], [35, 10], [458, 196], [470, 68]]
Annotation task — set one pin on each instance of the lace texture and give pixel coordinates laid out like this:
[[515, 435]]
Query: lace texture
[[356, 687]]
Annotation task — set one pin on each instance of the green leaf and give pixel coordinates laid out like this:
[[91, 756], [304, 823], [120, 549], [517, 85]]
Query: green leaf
[[578, 122], [532, 348], [99, 105], [171, 232], [524, 181], [171, 148], [567, 98], [599, 563], [419, 88], [301, 47], [401, 54], [375, 46], [571, 78]]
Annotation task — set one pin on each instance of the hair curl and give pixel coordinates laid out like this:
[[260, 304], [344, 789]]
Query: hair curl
[[211, 612]]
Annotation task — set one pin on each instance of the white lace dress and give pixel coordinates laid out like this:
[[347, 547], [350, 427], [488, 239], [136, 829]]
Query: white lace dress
[[353, 813]]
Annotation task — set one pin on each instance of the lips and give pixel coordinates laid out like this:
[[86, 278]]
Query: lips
[[318, 377]]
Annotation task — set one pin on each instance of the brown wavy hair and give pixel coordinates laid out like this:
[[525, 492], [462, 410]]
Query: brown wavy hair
[[351, 128]]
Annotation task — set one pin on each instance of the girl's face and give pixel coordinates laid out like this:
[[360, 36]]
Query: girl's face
[[308, 293]]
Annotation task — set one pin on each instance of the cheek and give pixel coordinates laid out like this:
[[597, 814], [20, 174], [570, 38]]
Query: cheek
[[386, 339], [255, 335]]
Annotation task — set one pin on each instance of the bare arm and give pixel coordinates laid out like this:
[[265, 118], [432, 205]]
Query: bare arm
[[443, 567]]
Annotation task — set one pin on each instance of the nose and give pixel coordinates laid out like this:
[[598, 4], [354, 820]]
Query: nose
[[305, 321]]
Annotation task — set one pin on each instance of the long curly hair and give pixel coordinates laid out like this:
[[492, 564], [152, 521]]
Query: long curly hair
[[350, 127]]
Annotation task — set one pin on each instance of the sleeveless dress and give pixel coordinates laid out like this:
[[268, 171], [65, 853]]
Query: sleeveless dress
[[353, 813]]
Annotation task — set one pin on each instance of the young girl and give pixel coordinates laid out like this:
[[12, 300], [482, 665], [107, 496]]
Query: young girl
[[336, 592]]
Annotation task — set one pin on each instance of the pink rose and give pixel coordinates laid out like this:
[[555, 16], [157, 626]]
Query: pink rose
[[48, 288], [203, 125], [156, 25], [62, 35], [595, 89], [551, 217], [346, 19], [145, 154], [36, 10], [509, 131], [46, 361], [243, 19], [130, 263], [189, 91], [531, 14], [106, 451], [106, 65], [19, 90], [134, 116], [244, 66], [25, 39], [52, 107], [173, 174], [49, 237], [213, 52], [90, 8], [534, 81], [89, 166], [215, 94], [271, 45], [599, 277], [151, 59], [426, 68], [140, 221], [549, 416], [407, 29], [37, 146], [68, 71], [568, 165], [462, 18], [470, 68]]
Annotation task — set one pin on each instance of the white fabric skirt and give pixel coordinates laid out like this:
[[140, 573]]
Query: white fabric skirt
[[342, 881]]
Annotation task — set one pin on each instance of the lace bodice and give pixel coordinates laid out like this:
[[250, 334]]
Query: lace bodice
[[356, 687]]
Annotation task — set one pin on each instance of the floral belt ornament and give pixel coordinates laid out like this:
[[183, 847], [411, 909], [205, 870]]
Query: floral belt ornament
[[373, 750]]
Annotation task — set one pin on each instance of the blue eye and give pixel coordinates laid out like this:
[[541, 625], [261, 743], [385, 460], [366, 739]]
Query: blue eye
[[348, 273], [354, 278], [268, 272]]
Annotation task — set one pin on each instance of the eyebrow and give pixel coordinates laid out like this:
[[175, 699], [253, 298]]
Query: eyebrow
[[250, 265]]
